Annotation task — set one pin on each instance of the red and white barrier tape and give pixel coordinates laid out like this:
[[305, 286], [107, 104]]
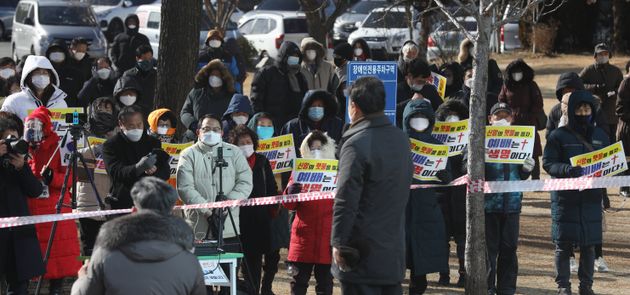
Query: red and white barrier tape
[[560, 184]]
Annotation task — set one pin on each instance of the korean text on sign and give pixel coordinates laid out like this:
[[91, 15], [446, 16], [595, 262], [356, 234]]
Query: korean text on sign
[[173, 150], [509, 144], [428, 159], [439, 82], [608, 161], [99, 165], [316, 175], [453, 134], [386, 71], [280, 151]]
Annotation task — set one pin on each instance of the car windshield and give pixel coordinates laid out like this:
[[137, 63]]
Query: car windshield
[[285, 5], [66, 16], [386, 19], [104, 2], [364, 7]]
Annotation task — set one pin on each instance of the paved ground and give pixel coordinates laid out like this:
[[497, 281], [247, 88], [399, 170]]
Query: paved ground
[[5, 48]]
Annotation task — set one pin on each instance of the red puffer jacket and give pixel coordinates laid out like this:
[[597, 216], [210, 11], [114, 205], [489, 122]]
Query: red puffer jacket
[[65, 248], [310, 232]]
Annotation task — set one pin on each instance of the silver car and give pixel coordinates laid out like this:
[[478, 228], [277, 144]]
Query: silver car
[[36, 24], [354, 16], [7, 11], [445, 38]]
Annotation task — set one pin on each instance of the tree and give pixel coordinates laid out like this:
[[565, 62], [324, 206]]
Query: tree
[[220, 13], [179, 47], [319, 24], [475, 215]]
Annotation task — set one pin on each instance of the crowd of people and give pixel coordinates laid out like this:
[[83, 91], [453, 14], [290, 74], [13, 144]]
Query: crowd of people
[[358, 238]]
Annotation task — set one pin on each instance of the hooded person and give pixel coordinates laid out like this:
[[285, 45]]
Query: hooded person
[[40, 87], [80, 59], [424, 221], [7, 71], [163, 125], [278, 89], [318, 73], [408, 52], [144, 72], [70, 79], [454, 74], [212, 93], [101, 84], [262, 124], [238, 113], [576, 215], [43, 143], [123, 50], [226, 52], [309, 250], [128, 92], [361, 50], [464, 94], [318, 112], [452, 199], [567, 82]]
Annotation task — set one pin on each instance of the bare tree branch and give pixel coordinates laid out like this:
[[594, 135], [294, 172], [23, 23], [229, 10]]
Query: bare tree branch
[[339, 10], [491, 6], [455, 21], [471, 11], [518, 13]]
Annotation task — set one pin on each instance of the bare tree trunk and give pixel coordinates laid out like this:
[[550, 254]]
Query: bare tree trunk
[[475, 215], [179, 47], [318, 23], [425, 23], [620, 23]]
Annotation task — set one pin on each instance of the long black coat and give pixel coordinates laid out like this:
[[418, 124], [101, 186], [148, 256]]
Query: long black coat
[[121, 155], [14, 189], [123, 50], [95, 88], [375, 173]]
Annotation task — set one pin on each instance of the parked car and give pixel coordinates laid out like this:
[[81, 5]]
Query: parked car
[[36, 24], [385, 30], [445, 38], [7, 12], [112, 13], [150, 17], [291, 5], [510, 39], [266, 30], [347, 22]]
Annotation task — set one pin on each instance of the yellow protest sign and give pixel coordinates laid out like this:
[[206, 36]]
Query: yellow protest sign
[[509, 144], [173, 150], [428, 159], [453, 134], [280, 151], [316, 175], [608, 161]]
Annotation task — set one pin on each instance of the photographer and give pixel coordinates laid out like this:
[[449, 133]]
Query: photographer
[[20, 256], [130, 155]]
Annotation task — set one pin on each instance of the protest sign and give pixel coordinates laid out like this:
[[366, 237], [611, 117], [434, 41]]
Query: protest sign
[[386, 71], [280, 151], [99, 164], [213, 274], [173, 150], [428, 159], [316, 175], [509, 144], [453, 134], [439, 82], [608, 161]]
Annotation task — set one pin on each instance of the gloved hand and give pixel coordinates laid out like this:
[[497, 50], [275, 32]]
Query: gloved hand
[[528, 165], [47, 176], [294, 188], [575, 171], [443, 176], [145, 163]]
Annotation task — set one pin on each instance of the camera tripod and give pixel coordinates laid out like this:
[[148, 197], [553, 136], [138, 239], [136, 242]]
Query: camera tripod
[[75, 131]]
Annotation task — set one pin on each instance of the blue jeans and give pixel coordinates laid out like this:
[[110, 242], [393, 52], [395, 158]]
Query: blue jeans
[[501, 241], [585, 272]]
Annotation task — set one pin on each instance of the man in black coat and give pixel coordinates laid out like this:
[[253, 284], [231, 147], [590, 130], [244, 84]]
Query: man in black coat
[[375, 170], [131, 155], [144, 73], [20, 255], [70, 80], [123, 49], [100, 85], [415, 85], [81, 60]]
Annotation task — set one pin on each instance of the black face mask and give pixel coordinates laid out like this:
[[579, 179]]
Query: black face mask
[[338, 61], [583, 120]]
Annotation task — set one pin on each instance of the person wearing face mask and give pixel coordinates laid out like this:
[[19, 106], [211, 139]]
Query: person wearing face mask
[[452, 199], [415, 86], [43, 143], [123, 50], [424, 220], [466, 57], [10, 86], [212, 93], [318, 112], [227, 52], [80, 59], [454, 74], [198, 179], [342, 54], [262, 124], [7, 71], [145, 74], [256, 221], [100, 85], [319, 73], [408, 52], [70, 79], [464, 94], [127, 92], [361, 50], [278, 89], [238, 113], [309, 251], [603, 79], [576, 215], [163, 125], [130, 155], [522, 94], [39, 85]]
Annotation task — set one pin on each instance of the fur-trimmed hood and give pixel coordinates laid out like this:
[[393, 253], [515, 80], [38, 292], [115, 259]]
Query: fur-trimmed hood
[[146, 236], [328, 149]]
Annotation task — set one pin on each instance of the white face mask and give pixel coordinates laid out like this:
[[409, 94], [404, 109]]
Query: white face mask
[[215, 82], [211, 138], [518, 76], [240, 120], [602, 59], [469, 83], [311, 54], [132, 27], [247, 150], [162, 130], [57, 57], [79, 55], [502, 122], [40, 81], [358, 51], [214, 43], [7, 73], [419, 124], [452, 118], [104, 73], [133, 134], [317, 154], [127, 99]]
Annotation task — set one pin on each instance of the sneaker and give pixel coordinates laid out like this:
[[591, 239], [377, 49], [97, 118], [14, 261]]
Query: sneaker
[[624, 192], [573, 265], [444, 280], [586, 291], [564, 291], [600, 265], [461, 283]]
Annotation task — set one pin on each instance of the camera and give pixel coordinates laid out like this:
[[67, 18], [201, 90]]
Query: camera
[[16, 145], [76, 118]]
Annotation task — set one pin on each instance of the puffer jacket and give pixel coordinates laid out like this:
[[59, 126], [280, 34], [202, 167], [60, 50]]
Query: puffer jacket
[[505, 203], [320, 76], [152, 249], [123, 50], [198, 182]]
